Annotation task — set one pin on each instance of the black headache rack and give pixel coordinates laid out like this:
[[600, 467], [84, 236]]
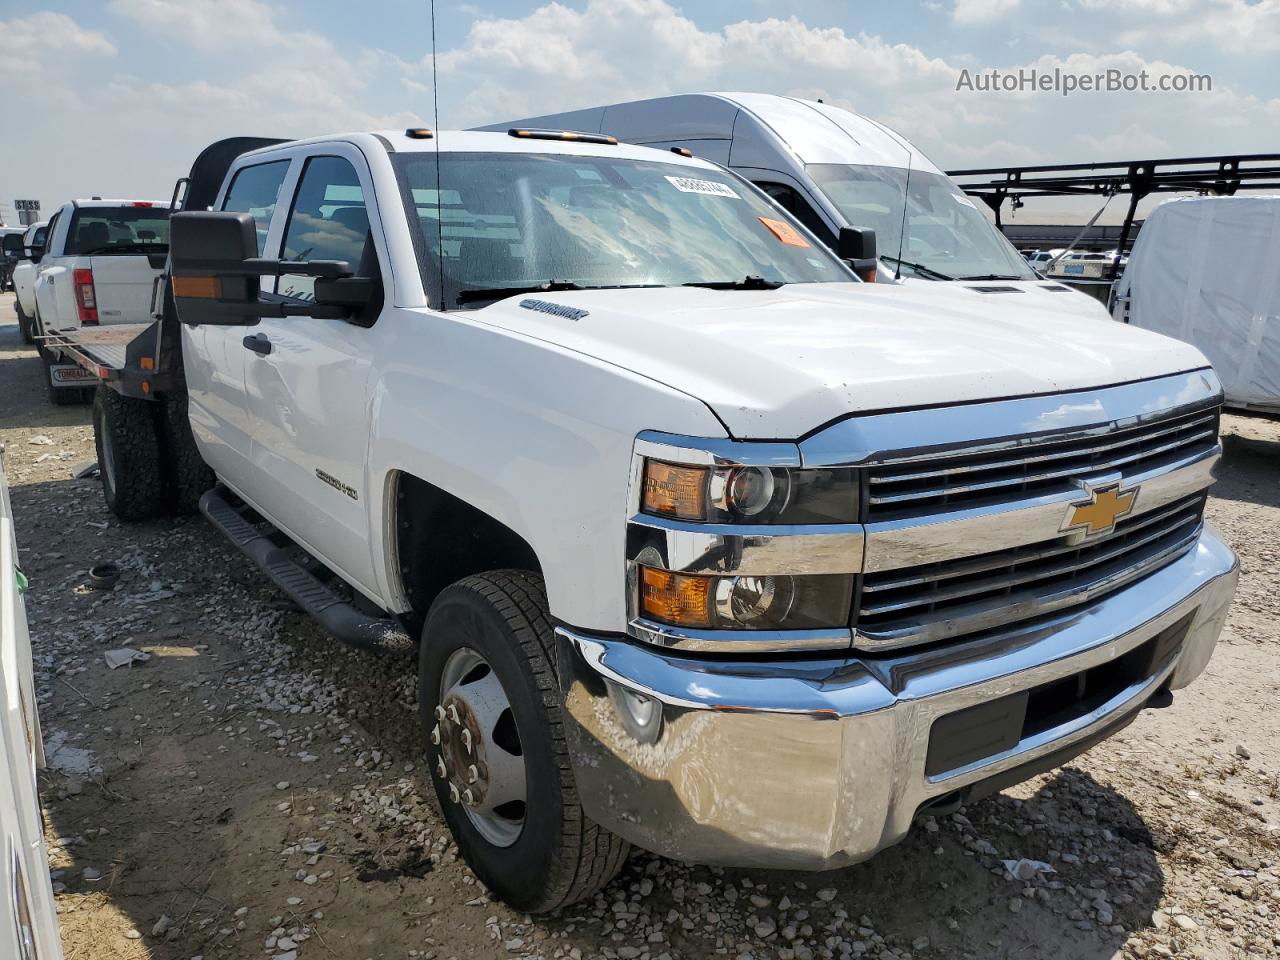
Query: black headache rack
[[144, 360]]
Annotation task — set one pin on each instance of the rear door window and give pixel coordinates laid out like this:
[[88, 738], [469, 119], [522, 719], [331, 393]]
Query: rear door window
[[255, 191]]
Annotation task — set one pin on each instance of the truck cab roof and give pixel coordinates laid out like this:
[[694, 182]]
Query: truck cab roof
[[473, 141]]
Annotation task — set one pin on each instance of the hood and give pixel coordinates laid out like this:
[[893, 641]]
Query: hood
[[777, 364], [1053, 296]]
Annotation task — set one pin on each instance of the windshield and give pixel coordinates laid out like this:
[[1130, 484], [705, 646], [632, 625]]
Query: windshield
[[107, 230], [525, 220], [948, 237]]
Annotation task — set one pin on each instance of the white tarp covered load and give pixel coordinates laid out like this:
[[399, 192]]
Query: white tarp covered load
[[1207, 270]]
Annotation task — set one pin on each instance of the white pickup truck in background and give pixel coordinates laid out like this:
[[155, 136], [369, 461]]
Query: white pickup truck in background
[[97, 267], [24, 279]]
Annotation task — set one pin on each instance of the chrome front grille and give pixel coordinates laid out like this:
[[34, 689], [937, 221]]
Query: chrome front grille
[[939, 601], [1033, 466]]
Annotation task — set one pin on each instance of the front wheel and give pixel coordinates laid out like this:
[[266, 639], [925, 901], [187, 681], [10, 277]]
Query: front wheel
[[490, 705]]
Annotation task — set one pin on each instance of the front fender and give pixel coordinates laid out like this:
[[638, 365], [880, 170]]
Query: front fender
[[535, 436]]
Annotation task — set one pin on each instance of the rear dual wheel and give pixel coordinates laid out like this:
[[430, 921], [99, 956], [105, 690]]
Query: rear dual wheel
[[147, 458], [490, 704]]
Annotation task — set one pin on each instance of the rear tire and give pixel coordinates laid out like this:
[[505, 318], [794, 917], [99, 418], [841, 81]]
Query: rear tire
[[25, 325], [555, 855], [124, 432], [187, 476]]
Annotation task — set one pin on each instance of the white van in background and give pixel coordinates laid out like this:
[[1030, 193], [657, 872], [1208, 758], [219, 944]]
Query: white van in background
[[28, 921], [1203, 270], [834, 169]]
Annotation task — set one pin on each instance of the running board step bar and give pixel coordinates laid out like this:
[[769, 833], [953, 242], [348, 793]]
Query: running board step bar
[[338, 616]]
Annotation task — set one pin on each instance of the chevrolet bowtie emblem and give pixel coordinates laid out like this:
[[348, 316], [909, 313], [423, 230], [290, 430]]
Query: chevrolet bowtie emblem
[[1100, 512]]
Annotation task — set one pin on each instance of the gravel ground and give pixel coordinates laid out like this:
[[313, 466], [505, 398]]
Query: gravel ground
[[257, 791]]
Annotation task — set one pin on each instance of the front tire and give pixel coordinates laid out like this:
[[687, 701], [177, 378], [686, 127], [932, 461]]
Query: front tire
[[124, 432], [486, 668]]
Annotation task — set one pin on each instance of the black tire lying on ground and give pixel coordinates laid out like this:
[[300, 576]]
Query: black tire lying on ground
[[129, 460], [186, 474], [554, 855]]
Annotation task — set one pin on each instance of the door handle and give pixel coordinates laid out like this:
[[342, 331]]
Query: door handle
[[258, 343]]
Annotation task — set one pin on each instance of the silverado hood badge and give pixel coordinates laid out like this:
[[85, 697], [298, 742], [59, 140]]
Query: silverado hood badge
[[1097, 515]]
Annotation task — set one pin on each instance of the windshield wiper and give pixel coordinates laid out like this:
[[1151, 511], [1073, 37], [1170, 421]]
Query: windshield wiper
[[993, 276], [496, 293], [919, 268], [746, 283]]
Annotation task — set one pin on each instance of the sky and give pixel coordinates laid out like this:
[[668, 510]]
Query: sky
[[116, 97]]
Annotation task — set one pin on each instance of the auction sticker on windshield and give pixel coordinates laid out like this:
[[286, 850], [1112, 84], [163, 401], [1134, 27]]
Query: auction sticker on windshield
[[709, 187], [784, 231]]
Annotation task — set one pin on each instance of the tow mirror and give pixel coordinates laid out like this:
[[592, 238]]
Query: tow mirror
[[35, 252], [12, 245], [216, 273], [857, 246]]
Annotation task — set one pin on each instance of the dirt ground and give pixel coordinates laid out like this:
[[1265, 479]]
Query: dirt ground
[[257, 791]]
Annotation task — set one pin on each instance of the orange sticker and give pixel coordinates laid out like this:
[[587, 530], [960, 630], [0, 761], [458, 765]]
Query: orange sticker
[[784, 231]]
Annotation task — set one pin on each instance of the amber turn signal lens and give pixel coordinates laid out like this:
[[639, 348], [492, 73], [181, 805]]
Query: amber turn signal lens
[[202, 288], [674, 598], [673, 491]]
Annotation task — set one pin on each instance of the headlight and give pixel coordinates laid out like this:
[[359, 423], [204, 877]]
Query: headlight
[[750, 494], [776, 602]]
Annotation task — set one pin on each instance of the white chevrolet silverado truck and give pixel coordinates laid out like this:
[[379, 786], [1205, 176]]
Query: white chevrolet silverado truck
[[97, 267], [709, 547]]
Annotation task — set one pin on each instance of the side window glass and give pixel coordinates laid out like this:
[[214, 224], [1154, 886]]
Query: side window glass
[[254, 191], [791, 201], [328, 221]]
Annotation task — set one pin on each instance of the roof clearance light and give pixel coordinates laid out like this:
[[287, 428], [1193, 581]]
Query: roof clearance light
[[683, 151], [419, 133], [572, 135]]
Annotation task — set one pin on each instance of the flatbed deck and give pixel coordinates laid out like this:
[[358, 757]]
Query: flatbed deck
[[124, 355]]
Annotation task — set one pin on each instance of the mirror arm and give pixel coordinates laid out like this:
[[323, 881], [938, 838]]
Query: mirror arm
[[259, 267]]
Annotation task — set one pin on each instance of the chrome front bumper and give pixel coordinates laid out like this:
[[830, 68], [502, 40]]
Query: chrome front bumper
[[817, 764]]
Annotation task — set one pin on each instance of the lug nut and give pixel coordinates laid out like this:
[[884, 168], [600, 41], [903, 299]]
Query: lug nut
[[441, 770], [439, 712], [435, 735], [453, 792], [472, 774], [466, 739], [468, 797], [453, 713]]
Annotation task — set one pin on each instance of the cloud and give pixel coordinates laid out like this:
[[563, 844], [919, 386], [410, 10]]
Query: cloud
[[982, 11], [216, 25], [29, 40], [1237, 26]]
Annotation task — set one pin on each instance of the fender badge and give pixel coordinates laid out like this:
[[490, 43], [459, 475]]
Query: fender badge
[[555, 309]]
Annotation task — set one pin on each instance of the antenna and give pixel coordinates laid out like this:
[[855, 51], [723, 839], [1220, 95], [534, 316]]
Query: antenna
[[902, 230], [435, 122]]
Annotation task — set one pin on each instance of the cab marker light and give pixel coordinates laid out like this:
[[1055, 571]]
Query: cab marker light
[[683, 151], [419, 133], [568, 135]]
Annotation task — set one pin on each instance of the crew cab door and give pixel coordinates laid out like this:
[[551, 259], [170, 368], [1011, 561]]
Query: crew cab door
[[306, 378], [214, 356]]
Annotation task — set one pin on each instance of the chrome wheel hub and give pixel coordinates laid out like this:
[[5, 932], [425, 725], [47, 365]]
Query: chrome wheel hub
[[477, 748]]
